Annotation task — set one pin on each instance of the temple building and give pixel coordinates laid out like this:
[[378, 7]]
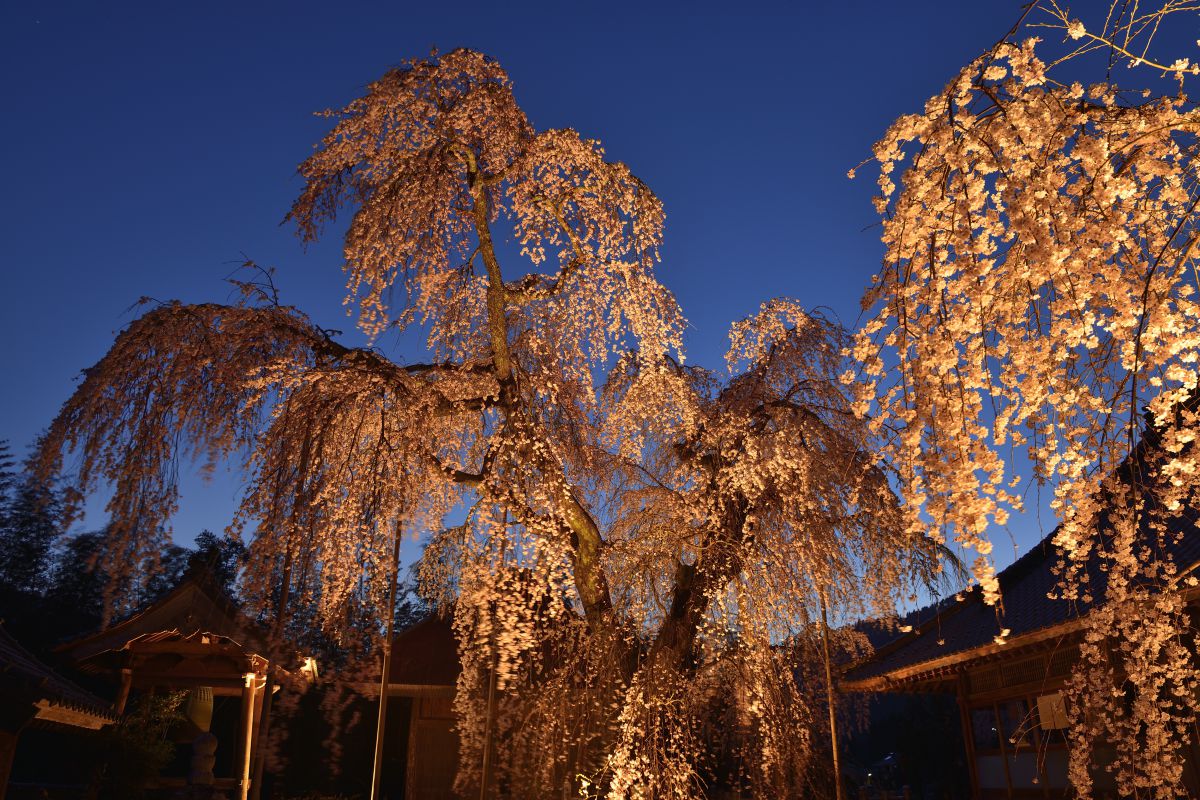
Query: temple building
[[35, 699], [1009, 694]]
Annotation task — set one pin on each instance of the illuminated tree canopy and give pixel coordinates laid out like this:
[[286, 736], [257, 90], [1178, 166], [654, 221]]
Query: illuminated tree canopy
[[633, 525], [1037, 307]]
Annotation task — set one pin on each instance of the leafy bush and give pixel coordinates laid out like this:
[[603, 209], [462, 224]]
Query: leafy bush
[[137, 748]]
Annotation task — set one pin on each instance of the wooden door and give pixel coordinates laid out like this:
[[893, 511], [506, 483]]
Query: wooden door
[[432, 751]]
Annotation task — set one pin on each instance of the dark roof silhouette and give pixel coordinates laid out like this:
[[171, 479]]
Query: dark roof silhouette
[[24, 678], [946, 633], [425, 654]]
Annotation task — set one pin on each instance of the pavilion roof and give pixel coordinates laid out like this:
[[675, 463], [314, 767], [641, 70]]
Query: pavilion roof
[[194, 607]]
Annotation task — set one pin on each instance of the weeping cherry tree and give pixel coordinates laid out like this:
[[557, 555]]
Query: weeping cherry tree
[[1037, 310], [623, 539]]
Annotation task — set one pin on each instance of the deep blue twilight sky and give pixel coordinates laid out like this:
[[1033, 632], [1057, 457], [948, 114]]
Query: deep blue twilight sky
[[147, 146]]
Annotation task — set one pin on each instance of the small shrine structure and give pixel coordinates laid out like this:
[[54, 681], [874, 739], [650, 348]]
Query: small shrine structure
[[420, 741], [194, 639]]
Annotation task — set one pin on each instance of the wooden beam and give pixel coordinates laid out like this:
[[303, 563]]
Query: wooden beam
[[228, 686], [370, 689]]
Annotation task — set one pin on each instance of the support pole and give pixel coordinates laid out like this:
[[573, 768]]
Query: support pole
[[486, 777], [487, 737], [275, 650], [833, 737], [968, 731], [381, 725]]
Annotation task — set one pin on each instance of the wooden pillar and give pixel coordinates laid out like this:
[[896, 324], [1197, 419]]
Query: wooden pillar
[[260, 689], [246, 733], [968, 730], [123, 692], [410, 767], [1004, 754], [8, 750], [262, 727]]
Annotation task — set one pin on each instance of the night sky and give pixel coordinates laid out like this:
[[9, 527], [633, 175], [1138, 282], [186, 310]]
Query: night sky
[[148, 148]]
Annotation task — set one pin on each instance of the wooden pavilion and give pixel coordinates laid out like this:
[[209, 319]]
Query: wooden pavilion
[[193, 639], [425, 668]]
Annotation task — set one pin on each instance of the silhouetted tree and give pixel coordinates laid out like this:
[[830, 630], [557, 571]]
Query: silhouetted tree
[[221, 557], [30, 524], [173, 564], [75, 597], [7, 473]]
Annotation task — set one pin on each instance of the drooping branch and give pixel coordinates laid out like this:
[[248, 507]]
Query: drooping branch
[[225, 382]]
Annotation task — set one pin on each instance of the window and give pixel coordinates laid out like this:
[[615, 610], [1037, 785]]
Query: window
[[1018, 723], [984, 729]]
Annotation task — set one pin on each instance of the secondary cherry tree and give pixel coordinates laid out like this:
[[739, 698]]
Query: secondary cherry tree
[[1037, 308], [638, 536]]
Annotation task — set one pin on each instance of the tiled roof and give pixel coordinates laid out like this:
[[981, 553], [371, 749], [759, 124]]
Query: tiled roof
[[959, 627]]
